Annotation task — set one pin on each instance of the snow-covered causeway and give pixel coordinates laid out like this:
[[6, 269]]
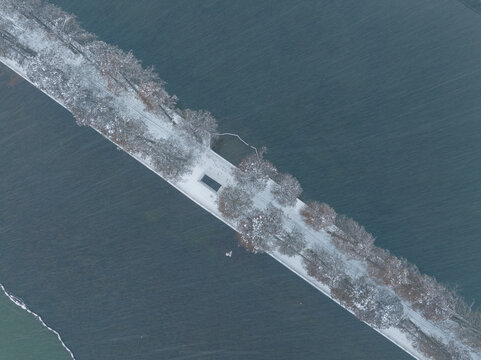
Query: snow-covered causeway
[[25, 41]]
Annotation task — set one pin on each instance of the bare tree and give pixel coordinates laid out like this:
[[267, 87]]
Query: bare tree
[[392, 272], [254, 171], [343, 291], [387, 312], [469, 315], [424, 293], [171, 159], [375, 306], [286, 190], [64, 24], [130, 135], [324, 266], [456, 352], [318, 215], [233, 202], [291, 243], [124, 71], [257, 231], [361, 240], [155, 97], [431, 347], [200, 124], [49, 73]]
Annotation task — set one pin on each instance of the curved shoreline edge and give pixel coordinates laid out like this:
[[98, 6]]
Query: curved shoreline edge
[[23, 306]]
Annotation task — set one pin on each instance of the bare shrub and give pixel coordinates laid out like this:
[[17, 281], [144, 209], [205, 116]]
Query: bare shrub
[[233, 202], [286, 190], [318, 215]]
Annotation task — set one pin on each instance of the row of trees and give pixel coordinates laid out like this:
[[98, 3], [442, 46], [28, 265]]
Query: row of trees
[[254, 172], [373, 304], [260, 230], [10, 47], [469, 323], [424, 293], [90, 106], [318, 215], [432, 347], [121, 70]]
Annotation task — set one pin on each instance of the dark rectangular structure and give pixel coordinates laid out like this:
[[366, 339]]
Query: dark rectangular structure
[[214, 185]]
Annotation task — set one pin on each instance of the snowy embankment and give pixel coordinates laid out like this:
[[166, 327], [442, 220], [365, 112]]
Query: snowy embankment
[[29, 37]]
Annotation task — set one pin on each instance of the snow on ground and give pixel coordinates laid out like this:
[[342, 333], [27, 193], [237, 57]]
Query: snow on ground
[[208, 163]]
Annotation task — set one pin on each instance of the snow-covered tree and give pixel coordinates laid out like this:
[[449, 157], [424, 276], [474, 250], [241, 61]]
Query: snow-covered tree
[[432, 347], [469, 315], [254, 171], [113, 63], [361, 241], [124, 71], [457, 352], [154, 96], [7, 41], [200, 124], [387, 312], [318, 215], [129, 134], [431, 299], [291, 243], [424, 293], [233, 202], [286, 190], [26, 6], [324, 266], [63, 24], [49, 73], [171, 159], [257, 231], [376, 306]]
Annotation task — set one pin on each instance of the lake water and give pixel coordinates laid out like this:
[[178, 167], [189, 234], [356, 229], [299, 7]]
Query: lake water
[[375, 107]]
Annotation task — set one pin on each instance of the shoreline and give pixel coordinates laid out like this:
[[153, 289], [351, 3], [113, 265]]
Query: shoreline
[[207, 162], [23, 306], [404, 345]]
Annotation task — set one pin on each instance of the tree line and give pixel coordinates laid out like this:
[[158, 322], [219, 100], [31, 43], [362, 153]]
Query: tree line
[[376, 298], [122, 72]]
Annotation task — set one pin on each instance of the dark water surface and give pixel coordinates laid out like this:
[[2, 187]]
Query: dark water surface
[[374, 105]]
